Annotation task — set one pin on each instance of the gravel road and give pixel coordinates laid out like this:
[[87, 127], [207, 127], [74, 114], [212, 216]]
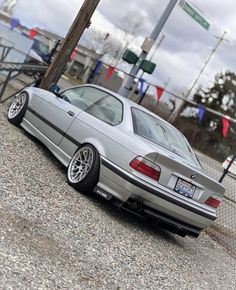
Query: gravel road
[[52, 237]]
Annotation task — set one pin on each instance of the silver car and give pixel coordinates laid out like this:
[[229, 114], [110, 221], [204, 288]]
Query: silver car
[[122, 152]]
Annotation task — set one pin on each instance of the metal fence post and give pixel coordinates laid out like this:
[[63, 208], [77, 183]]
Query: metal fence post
[[226, 170], [5, 84]]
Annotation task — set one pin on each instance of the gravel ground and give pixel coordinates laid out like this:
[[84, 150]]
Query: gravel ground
[[52, 237]]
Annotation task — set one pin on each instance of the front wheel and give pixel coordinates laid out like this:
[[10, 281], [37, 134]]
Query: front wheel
[[83, 170], [17, 109]]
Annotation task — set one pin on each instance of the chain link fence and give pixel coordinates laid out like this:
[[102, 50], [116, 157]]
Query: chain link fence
[[224, 228], [215, 154], [210, 146]]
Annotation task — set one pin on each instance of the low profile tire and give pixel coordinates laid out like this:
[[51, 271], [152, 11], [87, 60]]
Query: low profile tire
[[17, 109], [83, 170]]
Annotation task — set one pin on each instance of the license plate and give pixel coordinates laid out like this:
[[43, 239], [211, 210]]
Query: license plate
[[185, 188]]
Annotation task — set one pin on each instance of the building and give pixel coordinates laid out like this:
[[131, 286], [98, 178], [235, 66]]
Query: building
[[81, 66]]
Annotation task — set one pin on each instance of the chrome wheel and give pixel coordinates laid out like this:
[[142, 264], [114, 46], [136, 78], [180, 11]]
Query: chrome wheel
[[17, 105], [80, 164]]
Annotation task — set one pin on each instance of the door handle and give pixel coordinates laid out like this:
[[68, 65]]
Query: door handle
[[71, 113]]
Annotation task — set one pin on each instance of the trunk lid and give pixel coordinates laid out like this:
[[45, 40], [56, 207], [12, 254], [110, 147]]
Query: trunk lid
[[175, 168], [186, 180]]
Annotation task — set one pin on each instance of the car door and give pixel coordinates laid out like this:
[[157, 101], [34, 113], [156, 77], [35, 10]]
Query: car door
[[96, 122], [54, 114]]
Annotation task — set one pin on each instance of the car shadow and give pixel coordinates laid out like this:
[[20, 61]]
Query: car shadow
[[127, 219]]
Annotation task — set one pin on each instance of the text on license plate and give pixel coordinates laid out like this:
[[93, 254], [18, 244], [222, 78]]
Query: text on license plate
[[185, 188]]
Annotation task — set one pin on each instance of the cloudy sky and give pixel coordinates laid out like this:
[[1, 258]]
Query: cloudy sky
[[186, 45]]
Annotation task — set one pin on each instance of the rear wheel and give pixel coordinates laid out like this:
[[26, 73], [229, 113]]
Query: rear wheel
[[18, 108], [83, 170]]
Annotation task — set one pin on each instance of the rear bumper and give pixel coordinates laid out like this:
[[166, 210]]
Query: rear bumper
[[158, 201]]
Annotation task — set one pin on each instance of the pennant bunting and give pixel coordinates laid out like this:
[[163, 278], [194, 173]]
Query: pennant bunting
[[14, 23], [225, 128], [109, 72], [95, 70], [201, 112], [32, 33], [97, 67], [74, 53], [160, 91], [141, 88]]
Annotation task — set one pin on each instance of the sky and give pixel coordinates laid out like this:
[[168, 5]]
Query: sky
[[186, 45]]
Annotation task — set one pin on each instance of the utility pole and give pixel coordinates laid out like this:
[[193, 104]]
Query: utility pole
[[178, 110], [81, 22], [127, 85]]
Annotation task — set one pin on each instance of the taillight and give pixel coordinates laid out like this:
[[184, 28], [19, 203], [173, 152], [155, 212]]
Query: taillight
[[213, 201], [146, 167]]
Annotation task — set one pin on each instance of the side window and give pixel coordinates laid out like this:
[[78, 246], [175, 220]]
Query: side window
[[109, 110], [83, 97]]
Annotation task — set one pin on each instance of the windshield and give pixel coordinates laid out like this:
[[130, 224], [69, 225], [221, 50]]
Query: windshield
[[40, 47], [158, 132]]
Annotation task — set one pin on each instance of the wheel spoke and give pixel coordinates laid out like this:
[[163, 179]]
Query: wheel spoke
[[16, 106], [77, 175], [81, 164]]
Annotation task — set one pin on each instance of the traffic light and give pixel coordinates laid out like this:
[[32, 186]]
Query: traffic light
[[148, 66], [130, 57]]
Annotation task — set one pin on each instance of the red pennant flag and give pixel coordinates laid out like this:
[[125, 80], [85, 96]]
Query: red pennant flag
[[32, 33], [109, 72], [225, 128], [159, 93], [73, 54]]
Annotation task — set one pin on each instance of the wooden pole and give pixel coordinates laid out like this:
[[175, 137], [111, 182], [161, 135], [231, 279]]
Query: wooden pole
[[81, 22]]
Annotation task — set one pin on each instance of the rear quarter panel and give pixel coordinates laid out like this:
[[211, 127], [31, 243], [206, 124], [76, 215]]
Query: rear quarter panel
[[112, 142]]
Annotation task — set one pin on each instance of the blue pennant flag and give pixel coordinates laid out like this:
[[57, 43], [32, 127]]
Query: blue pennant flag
[[141, 90], [97, 67], [14, 23], [201, 112]]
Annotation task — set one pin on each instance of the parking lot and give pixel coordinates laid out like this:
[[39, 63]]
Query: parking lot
[[54, 237]]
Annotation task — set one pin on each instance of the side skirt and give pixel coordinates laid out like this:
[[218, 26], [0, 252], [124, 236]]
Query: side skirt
[[56, 151]]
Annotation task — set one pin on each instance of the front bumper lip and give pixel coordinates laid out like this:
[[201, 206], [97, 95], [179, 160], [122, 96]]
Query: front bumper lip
[[157, 193]]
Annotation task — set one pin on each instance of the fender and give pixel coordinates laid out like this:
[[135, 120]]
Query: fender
[[94, 142]]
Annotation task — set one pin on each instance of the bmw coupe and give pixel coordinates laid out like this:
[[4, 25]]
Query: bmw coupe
[[122, 152]]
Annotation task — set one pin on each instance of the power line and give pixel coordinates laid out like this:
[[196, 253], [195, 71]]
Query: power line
[[178, 110]]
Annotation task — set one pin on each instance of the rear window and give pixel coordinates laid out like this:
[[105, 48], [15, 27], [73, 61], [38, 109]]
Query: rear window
[[158, 132]]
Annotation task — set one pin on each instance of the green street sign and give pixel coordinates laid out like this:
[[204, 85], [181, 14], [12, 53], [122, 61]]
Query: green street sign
[[194, 14]]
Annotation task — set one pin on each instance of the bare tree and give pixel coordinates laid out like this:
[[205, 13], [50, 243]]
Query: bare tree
[[102, 42], [132, 23], [8, 6], [115, 44], [131, 26]]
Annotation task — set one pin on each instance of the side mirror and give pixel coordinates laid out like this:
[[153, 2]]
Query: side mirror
[[54, 89]]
